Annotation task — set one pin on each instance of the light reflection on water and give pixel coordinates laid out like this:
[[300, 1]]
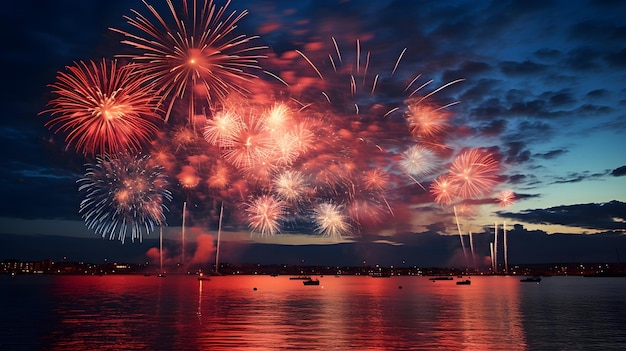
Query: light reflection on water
[[345, 313]]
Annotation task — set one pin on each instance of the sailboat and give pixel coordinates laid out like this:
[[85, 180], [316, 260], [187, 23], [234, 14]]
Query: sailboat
[[161, 273], [201, 276]]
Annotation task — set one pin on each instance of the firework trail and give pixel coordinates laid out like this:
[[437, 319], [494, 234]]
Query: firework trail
[[103, 108], [194, 50], [471, 242], [506, 249], [458, 226], [495, 247], [123, 195]]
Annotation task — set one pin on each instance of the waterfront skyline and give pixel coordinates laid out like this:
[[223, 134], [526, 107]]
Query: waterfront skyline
[[541, 91]]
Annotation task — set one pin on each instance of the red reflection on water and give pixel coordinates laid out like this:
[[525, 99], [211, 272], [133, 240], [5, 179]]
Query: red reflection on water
[[486, 314], [262, 312]]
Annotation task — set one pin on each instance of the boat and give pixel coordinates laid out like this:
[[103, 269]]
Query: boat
[[300, 277], [274, 275], [161, 275], [441, 278], [203, 277], [535, 279], [464, 282], [311, 282]]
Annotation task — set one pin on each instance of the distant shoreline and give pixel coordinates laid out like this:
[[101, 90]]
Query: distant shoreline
[[48, 266]]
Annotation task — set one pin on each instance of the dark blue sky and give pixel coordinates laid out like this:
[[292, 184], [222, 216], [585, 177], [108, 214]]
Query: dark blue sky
[[543, 89]]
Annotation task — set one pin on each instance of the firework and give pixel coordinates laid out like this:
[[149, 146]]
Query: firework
[[427, 122], [329, 150], [443, 189], [250, 145], [188, 178], [278, 118], [366, 210], [290, 186], [506, 198], [265, 214], [196, 47], [376, 179], [418, 160], [103, 108], [123, 196], [330, 221], [220, 176], [222, 129], [359, 131], [474, 172]]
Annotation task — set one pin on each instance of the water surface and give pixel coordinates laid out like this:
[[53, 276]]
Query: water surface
[[128, 312]]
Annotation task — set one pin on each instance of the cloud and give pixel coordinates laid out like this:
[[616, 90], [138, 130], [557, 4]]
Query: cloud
[[467, 70], [575, 177], [552, 154], [516, 152], [547, 54], [597, 216], [583, 59], [619, 171], [493, 128], [598, 93], [617, 59], [513, 68]]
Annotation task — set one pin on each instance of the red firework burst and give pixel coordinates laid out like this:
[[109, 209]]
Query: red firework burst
[[265, 215], [105, 109], [473, 173], [197, 49], [444, 190], [506, 197]]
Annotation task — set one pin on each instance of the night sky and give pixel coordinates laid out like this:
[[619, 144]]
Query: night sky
[[539, 85]]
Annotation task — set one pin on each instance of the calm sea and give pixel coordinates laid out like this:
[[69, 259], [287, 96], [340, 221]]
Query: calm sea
[[342, 313]]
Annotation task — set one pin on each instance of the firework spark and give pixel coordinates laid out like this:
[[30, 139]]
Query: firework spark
[[196, 48], [123, 195], [103, 108]]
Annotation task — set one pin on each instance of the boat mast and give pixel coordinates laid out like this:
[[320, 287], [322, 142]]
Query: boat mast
[[160, 249], [183, 233]]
